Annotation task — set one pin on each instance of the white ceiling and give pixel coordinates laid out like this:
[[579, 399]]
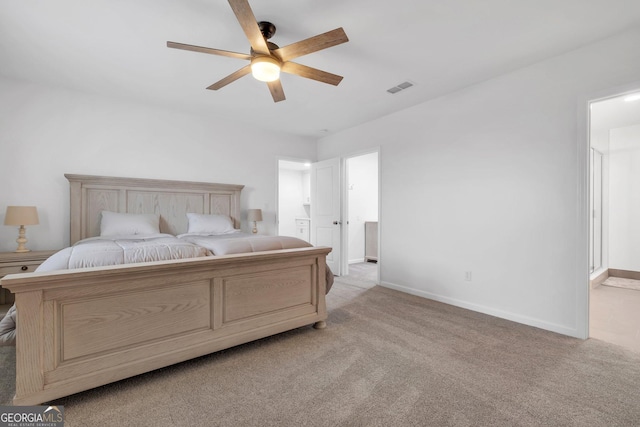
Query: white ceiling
[[117, 48]]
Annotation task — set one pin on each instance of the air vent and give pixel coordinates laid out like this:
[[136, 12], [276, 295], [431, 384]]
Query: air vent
[[400, 87]]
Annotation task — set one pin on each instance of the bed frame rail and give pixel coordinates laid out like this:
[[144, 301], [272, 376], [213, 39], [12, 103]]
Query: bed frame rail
[[79, 329]]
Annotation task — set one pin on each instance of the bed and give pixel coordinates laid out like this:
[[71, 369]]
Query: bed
[[82, 328]]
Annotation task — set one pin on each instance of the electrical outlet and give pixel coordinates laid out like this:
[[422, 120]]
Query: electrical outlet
[[467, 276]]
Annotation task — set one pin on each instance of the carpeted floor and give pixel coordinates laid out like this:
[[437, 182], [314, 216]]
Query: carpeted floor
[[362, 274], [8, 374], [385, 359]]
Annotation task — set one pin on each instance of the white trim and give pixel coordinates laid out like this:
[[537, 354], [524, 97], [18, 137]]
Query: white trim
[[345, 191], [357, 261], [582, 217], [582, 222], [344, 217], [380, 221], [507, 315]]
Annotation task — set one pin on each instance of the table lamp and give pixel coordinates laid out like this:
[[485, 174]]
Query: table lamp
[[21, 215], [254, 215]]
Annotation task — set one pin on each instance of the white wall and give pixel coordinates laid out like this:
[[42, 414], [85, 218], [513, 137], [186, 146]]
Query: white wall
[[624, 198], [45, 133], [495, 171], [362, 183]]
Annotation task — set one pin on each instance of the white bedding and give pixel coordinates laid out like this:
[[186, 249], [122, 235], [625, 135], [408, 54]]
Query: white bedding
[[115, 250], [238, 242]]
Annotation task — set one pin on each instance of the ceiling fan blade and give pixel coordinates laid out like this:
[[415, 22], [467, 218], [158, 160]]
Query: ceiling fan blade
[[312, 44], [212, 51], [231, 78], [249, 25], [275, 87], [311, 73]]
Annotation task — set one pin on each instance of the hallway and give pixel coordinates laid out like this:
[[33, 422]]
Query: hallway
[[615, 316]]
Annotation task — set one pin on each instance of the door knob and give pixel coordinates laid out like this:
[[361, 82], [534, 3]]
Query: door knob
[[337, 222]]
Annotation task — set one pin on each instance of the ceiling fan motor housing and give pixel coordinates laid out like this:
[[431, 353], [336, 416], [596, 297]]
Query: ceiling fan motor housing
[[267, 29]]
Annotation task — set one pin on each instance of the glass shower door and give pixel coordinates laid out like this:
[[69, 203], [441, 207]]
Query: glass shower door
[[595, 238]]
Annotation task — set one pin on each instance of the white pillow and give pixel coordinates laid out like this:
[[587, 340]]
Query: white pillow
[[211, 224], [119, 224]]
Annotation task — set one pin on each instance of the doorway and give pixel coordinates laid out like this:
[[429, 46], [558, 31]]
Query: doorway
[[357, 216], [294, 202], [362, 207], [614, 221]]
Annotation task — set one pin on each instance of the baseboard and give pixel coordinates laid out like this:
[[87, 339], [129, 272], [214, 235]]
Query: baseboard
[[356, 261], [514, 317], [597, 281], [624, 274]]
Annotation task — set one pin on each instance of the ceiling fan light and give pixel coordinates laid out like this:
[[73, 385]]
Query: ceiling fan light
[[265, 68]]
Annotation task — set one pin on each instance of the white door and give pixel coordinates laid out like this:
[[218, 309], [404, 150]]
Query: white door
[[326, 221]]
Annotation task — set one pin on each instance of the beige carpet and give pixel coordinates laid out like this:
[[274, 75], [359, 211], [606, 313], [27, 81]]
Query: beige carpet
[[385, 359], [7, 374], [361, 274], [620, 282]]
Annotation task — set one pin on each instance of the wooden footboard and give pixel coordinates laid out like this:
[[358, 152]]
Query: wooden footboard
[[79, 329]]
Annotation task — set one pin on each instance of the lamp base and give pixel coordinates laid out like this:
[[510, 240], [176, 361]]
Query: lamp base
[[22, 240]]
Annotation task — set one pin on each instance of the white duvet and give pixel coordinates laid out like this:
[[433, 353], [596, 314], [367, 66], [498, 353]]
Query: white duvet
[[101, 251], [238, 242]]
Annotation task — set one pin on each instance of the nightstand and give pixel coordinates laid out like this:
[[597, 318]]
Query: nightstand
[[18, 262]]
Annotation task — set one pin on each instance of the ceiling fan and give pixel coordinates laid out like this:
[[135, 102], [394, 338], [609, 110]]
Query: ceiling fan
[[267, 59]]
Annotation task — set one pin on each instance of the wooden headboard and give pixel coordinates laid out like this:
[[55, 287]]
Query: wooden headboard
[[172, 200]]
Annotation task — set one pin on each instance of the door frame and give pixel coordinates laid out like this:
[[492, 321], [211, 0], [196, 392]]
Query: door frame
[[344, 261], [345, 211], [583, 285], [344, 236]]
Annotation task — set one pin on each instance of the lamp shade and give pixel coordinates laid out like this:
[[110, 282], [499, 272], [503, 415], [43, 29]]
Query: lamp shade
[[254, 215], [265, 68], [21, 215]]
